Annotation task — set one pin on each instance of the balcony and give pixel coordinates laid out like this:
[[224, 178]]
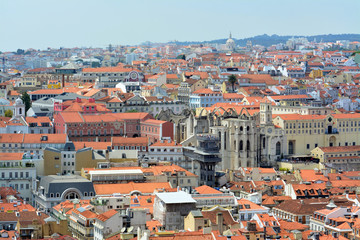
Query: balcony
[[332, 131]]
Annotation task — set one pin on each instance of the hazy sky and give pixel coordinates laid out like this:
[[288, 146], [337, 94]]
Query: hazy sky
[[69, 23]]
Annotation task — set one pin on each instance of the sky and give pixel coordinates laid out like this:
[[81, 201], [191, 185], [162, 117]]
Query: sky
[[94, 23]]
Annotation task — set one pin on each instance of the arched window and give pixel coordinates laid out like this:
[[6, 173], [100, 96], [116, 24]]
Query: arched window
[[241, 145], [20, 111], [278, 148], [123, 155], [72, 195], [248, 145]]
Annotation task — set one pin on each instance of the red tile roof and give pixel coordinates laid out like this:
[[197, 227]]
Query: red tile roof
[[128, 188]]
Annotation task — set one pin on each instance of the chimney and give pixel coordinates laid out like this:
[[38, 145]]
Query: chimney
[[138, 233], [297, 235], [316, 236], [251, 227], [219, 222]]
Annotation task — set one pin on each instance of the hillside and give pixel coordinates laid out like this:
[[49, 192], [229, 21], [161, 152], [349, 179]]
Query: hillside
[[267, 40]]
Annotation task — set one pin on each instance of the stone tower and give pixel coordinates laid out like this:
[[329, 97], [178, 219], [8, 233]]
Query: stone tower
[[265, 112], [19, 108]]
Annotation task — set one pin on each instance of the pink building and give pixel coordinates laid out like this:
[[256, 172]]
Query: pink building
[[101, 127], [156, 129]]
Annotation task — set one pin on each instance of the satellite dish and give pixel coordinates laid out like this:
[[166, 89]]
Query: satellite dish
[[130, 229], [123, 230]]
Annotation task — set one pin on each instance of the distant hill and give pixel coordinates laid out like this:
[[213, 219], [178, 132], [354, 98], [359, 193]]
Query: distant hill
[[267, 40]]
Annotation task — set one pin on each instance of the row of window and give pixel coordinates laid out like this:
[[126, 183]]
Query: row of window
[[314, 125], [143, 148], [343, 161], [165, 150], [94, 132], [20, 186], [304, 125], [103, 74], [58, 194], [340, 155], [150, 129], [15, 175]]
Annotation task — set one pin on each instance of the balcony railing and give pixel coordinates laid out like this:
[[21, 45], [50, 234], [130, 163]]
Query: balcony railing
[[334, 131]]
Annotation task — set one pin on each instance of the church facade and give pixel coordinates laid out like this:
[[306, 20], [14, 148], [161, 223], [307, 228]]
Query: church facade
[[246, 139]]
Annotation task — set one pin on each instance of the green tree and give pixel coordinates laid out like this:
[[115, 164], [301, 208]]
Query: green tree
[[181, 56], [131, 111], [25, 97], [8, 113], [95, 64], [354, 53], [232, 80], [20, 51]]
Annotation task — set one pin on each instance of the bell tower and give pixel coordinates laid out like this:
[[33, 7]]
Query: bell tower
[[265, 112], [19, 108]]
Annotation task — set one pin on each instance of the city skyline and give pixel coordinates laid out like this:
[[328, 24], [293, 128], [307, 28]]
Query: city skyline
[[40, 24]]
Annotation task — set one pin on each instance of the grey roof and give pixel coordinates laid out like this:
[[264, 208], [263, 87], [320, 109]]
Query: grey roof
[[50, 219], [42, 111], [44, 100], [52, 149], [69, 146], [68, 96], [196, 213], [59, 184], [175, 197], [70, 65]]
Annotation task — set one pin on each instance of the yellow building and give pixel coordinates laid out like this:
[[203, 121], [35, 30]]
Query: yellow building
[[215, 219], [343, 157], [316, 73], [29, 81], [69, 160], [54, 84], [338, 77], [306, 132]]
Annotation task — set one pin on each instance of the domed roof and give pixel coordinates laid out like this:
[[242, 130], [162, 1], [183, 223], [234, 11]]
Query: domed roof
[[230, 41], [18, 102]]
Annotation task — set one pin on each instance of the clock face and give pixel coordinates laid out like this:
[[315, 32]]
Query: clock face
[[133, 75], [269, 130]]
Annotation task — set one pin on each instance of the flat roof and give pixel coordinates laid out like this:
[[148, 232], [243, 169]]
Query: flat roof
[[175, 197], [120, 172]]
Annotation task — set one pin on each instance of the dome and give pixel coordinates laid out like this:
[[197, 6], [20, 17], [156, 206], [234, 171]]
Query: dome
[[230, 41], [230, 44], [18, 102]]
